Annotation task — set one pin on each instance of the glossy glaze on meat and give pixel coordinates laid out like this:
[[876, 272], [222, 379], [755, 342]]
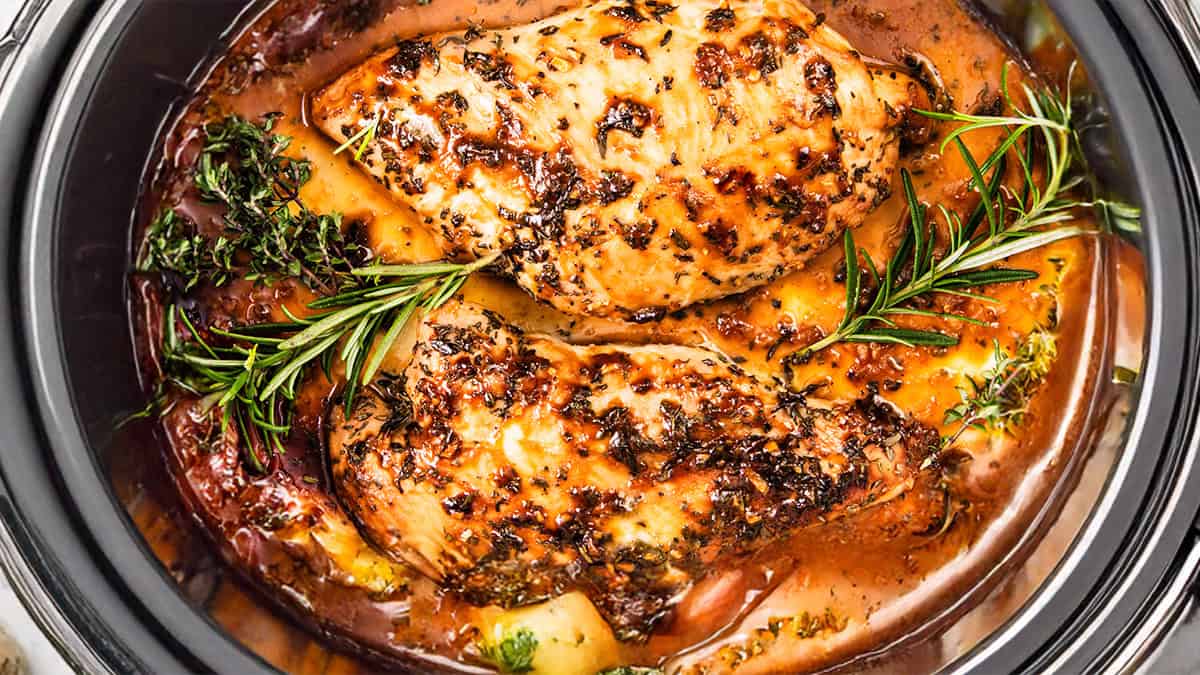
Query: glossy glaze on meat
[[514, 467], [631, 158], [873, 577]]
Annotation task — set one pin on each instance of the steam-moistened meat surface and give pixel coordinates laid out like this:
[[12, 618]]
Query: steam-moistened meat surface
[[631, 158], [513, 467]]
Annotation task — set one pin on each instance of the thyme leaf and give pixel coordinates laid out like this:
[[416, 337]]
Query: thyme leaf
[[243, 168]]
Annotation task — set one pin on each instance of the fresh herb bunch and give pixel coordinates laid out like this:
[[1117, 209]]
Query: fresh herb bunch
[[172, 246], [253, 375], [243, 168], [1016, 221]]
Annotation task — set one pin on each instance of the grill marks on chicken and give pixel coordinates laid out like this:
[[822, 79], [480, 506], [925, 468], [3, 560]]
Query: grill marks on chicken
[[631, 158], [514, 467]]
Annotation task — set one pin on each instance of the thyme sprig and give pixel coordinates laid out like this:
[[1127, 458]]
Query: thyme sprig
[[173, 246], [998, 399], [253, 374], [243, 169], [1035, 215]]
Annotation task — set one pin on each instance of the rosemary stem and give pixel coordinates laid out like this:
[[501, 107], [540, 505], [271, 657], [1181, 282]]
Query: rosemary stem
[[833, 338], [948, 257]]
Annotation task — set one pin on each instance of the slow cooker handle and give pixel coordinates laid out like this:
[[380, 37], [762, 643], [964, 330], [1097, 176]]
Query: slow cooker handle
[[16, 34], [1185, 15]]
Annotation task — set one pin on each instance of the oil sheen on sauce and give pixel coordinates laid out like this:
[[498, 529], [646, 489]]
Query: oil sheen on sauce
[[836, 596]]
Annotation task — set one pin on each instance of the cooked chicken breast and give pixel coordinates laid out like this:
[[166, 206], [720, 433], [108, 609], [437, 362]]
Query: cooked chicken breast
[[631, 158], [514, 467]]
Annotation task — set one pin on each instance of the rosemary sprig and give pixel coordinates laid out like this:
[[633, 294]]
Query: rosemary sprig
[[1036, 215], [966, 264], [253, 375]]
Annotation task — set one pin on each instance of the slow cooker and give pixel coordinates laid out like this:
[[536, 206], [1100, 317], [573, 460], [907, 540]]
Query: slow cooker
[[85, 87]]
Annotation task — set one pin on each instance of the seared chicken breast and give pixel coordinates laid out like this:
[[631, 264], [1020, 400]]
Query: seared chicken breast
[[514, 467], [630, 157]]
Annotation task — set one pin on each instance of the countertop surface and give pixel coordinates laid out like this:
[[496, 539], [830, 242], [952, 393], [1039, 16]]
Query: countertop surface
[[41, 656]]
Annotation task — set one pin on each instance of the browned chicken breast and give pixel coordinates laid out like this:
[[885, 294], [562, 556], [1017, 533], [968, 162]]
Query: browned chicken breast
[[514, 467], [631, 158]]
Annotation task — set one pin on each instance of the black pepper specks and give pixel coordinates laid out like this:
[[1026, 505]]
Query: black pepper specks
[[821, 80], [719, 20], [409, 56], [490, 67]]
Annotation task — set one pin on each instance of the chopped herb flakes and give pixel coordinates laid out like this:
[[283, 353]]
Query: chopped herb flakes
[[512, 654], [800, 627]]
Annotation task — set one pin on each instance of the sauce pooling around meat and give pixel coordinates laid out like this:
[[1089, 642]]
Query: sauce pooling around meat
[[597, 456]]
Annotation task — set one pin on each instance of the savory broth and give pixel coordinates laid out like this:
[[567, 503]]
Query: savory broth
[[828, 596]]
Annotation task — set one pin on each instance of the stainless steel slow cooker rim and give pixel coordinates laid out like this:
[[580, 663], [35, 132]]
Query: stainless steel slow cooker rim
[[42, 339], [35, 30], [1164, 288], [1183, 42], [126, 554]]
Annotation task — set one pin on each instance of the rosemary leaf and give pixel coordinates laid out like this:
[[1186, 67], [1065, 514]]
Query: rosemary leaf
[[985, 277], [852, 279], [904, 336], [255, 385], [1039, 213]]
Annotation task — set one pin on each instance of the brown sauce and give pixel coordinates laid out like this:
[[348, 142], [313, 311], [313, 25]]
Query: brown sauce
[[833, 596]]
